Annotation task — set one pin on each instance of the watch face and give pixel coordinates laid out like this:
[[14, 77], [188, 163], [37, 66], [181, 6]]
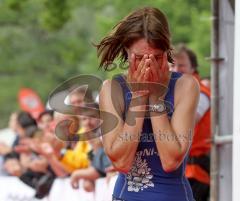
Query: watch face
[[157, 108], [161, 108]]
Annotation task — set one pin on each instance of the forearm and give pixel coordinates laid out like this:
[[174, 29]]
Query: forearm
[[89, 173], [121, 141], [57, 167], [125, 144], [170, 143], [39, 165], [166, 138]]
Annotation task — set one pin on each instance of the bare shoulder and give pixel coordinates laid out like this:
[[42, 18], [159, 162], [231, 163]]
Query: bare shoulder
[[187, 86], [110, 85], [111, 94], [187, 82]]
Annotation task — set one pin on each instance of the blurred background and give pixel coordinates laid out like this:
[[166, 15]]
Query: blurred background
[[43, 43]]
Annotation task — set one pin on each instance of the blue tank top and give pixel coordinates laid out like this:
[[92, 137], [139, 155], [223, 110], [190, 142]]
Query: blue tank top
[[147, 181]]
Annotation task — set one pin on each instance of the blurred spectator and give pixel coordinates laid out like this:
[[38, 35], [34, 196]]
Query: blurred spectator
[[8, 136], [23, 161], [25, 128], [37, 156], [45, 119], [36, 170], [77, 157], [70, 155], [26, 125], [79, 96], [99, 160], [198, 166], [64, 156]]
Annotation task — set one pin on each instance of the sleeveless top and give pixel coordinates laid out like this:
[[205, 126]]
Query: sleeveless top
[[147, 181]]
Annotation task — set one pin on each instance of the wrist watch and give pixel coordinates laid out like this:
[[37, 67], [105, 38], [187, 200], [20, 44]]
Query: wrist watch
[[157, 108]]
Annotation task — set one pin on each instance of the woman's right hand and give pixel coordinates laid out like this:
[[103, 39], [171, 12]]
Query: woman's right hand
[[137, 78]]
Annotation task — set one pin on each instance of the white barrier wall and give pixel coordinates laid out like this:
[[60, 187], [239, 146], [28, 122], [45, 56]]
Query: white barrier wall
[[12, 189]]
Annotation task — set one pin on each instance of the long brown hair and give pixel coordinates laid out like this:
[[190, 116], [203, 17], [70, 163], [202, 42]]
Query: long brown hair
[[149, 23]]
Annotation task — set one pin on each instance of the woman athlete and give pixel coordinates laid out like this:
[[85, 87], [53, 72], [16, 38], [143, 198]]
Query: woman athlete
[[155, 109]]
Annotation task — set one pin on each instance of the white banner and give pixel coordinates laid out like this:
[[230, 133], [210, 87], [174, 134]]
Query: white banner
[[13, 189]]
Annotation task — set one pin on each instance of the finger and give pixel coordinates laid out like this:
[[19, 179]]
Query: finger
[[132, 63], [144, 77], [143, 71], [164, 62], [154, 67], [74, 184], [157, 69], [151, 78], [147, 74], [141, 64], [137, 79], [165, 68]]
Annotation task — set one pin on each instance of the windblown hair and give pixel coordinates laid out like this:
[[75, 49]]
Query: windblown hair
[[148, 23]]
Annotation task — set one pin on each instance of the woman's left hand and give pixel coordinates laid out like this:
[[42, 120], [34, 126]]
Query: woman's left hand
[[159, 79]]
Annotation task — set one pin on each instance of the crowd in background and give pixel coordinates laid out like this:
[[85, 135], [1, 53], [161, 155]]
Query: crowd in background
[[37, 156]]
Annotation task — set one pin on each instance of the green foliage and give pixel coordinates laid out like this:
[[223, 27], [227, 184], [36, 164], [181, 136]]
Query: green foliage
[[55, 14], [44, 42], [14, 4]]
